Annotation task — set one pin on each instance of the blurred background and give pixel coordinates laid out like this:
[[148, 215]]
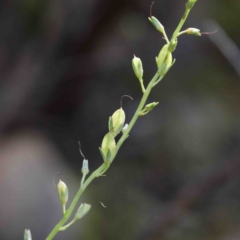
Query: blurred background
[[64, 66]]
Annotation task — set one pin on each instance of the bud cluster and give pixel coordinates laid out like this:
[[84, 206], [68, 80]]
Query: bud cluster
[[116, 122]]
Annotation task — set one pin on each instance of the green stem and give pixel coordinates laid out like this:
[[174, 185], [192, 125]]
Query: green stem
[[103, 168], [68, 213], [182, 21], [181, 33], [83, 179], [142, 85], [67, 225], [139, 109], [64, 208], [165, 36]]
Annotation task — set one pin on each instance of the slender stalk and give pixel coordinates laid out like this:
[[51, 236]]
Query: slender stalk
[[182, 21], [83, 179], [68, 213], [139, 109], [67, 225], [64, 209], [142, 85], [165, 36], [181, 33], [104, 167]]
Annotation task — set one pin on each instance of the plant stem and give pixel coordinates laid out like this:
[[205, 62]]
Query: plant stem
[[83, 179], [68, 213], [165, 36], [67, 225], [104, 167], [142, 85], [64, 208], [182, 21], [139, 109]]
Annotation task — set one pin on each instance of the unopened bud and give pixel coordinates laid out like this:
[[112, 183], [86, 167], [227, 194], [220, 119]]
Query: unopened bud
[[164, 57], [63, 192], [108, 148], [151, 106], [117, 121], [156, 24], [82, 211], [27, 235], [193, 31], [137, 67], [85, 169]]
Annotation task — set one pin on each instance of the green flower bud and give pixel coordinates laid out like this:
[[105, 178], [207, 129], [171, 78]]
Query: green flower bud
[[27, 235], [156, 24], [108, 148], [148, 108], [85, 169], [117, 122], [151, 106], [137, 67], [82, 211], [63, 192], [164, 57], [193, 31]]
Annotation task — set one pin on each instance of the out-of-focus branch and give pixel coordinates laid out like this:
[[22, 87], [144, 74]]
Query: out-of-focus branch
[[192, 194], [224, 43]]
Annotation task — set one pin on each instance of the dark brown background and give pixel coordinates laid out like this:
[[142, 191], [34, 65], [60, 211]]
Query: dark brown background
[[64, 66]]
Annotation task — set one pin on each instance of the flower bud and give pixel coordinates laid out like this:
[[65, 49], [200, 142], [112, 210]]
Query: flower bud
[[82, 211], [156, 24], [193, 31], [27, 235], [63, 192], [85, 169], [164, 57], [137, 67], [108, 148], [151, 106], [117, 122]]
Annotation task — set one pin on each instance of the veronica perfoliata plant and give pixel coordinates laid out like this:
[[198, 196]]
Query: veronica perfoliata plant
[[117, 126]]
